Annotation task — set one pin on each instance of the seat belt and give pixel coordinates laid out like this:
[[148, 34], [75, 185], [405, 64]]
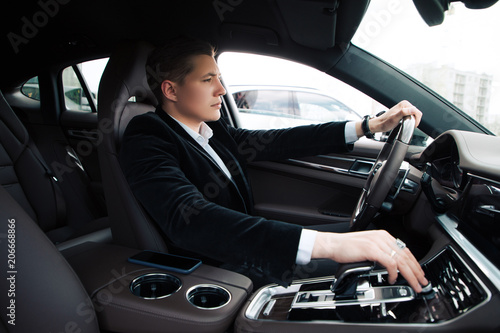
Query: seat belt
[[60, 202]]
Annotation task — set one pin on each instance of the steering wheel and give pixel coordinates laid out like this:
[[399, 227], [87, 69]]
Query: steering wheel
[[386, 176]]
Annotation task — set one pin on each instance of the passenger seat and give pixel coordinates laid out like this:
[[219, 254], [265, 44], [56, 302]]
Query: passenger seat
[[27, 178]]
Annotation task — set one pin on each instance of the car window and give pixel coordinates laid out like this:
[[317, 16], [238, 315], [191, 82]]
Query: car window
[[457, 59], [277, 93], [323, 108], [78, 79], [31, 88], [266, 102]]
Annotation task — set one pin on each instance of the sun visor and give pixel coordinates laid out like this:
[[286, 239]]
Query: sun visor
[[311, 23]]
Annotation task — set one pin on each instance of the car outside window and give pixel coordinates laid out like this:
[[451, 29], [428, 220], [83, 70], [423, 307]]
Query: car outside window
[[78, 79], [266, 102], [261, 107], [276, 93], [74, 96], [31, 88], [457, 59], [323, 108], [288, 93]]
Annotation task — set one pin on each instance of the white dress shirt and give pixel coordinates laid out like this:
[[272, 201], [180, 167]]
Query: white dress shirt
[[202, 138], [308, 236]]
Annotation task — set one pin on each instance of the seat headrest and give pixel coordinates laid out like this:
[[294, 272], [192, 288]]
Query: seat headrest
[[125, 77]]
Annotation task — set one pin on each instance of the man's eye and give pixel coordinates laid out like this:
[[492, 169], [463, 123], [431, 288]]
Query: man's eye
[[208, 80]]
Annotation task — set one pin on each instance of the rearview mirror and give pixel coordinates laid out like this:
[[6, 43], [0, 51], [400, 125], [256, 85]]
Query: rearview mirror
[[432, 11]]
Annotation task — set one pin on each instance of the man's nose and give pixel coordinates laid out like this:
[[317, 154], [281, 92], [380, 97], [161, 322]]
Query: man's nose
[[220, 89]]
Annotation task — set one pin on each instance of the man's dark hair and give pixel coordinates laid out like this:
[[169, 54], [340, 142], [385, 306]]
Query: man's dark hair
[[173, 61]]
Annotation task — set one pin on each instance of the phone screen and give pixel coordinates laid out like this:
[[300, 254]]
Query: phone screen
[[167, 261]]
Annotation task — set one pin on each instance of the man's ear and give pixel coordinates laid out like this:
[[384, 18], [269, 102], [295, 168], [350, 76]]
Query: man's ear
[[168, 90]]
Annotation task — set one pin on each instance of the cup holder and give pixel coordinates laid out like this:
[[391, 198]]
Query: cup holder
[[155, 285], [208, 296]]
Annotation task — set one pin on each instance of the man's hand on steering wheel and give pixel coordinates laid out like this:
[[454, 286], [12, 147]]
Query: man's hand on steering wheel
[[391, 118], [402, 120]]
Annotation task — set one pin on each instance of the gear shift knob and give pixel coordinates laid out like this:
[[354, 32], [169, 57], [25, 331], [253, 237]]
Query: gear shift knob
[[347, 276], [427, 291]]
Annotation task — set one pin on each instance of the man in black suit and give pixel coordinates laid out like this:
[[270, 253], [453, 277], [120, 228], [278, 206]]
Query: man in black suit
[[187, 168]]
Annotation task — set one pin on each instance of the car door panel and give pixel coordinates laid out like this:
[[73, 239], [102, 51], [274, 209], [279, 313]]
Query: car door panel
[[81, 129], [313, 190]]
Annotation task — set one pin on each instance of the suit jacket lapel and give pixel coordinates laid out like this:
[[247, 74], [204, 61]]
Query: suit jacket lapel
[[239, 177], [238, 181], [175, 126]]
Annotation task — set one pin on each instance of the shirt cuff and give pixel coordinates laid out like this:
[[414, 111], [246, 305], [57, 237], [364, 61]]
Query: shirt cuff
[[350, 132], [306, 244]]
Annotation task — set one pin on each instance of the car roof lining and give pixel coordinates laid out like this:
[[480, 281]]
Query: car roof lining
[[75, 34], [74, 31]]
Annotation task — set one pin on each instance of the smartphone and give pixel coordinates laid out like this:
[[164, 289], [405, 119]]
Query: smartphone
[[169, 262]]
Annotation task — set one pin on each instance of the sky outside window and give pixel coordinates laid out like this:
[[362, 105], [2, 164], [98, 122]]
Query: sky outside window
[[458, 59]]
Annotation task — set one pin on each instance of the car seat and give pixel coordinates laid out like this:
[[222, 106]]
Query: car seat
[[124, 93], [27, 178], [40, 291]]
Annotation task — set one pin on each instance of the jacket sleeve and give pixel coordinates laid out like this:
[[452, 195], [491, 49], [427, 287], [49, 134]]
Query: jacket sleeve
[[308, 140], [150, 161]]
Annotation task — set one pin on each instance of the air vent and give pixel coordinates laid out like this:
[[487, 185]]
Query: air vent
[[454, 281]]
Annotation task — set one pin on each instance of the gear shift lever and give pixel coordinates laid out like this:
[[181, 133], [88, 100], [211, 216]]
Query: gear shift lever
[[354, 284], [346, 278]]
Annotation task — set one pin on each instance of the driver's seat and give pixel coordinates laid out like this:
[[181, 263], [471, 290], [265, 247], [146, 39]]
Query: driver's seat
[[123, 94]]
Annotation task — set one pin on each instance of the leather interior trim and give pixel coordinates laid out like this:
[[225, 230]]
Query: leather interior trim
[[297, 215], [42, 278], [106, 274], [99, 236], [283, 167], [479, 153]]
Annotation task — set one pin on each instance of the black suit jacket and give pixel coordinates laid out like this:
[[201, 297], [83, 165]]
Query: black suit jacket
[[199, 208]]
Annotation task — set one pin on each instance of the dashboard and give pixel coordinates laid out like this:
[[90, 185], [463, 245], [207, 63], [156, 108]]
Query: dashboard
[[467, 167], [456, 154], [460, 178]]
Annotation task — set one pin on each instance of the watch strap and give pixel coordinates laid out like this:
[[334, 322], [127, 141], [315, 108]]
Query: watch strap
[[366, 128]]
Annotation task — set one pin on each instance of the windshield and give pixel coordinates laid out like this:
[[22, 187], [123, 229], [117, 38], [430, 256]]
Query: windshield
[[457, 59]]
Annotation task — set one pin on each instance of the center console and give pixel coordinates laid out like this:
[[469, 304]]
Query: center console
[[363, 297], [128, 297]]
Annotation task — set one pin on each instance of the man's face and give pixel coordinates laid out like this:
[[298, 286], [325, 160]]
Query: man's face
[[199, 97]]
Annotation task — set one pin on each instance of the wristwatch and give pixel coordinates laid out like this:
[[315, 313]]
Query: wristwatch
[[366, 128]]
